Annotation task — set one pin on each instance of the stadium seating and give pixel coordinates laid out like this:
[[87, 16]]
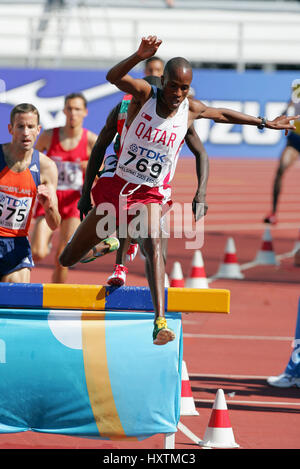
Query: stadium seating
[[85, 35]]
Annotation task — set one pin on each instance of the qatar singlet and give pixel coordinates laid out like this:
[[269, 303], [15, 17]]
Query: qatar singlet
[[150, 146], [17, 196]]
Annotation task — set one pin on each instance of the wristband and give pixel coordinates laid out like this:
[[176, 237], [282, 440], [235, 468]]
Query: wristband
[[263, 123]]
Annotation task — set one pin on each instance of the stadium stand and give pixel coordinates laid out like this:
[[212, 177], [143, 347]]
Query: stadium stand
[[95, 34]]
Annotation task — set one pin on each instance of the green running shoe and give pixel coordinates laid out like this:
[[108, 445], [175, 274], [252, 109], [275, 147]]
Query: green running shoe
[[113, 244]]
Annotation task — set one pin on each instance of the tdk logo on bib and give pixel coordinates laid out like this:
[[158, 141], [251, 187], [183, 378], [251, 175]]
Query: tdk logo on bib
[[145, 152], [13, 202]]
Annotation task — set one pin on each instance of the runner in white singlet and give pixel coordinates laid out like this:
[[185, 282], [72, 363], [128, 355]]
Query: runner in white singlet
[[114, 125], [171, 102]]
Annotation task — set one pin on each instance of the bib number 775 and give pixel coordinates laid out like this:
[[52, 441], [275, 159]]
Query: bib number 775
[[10, 212], [14, 211]]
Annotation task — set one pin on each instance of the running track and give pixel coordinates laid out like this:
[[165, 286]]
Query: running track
[[236, 352]]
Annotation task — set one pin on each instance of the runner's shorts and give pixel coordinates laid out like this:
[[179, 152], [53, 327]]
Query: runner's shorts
[[15, 254], [108, 190], [293, 140], [67, 205]]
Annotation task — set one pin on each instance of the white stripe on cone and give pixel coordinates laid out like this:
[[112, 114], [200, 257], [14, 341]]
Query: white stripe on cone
[[176, 276], [187, 406], [230, 267], [197, 278], [266, 254], [218, 433], [167, 283]]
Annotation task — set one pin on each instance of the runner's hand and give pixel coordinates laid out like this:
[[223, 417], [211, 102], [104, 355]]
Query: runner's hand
[[84, 205], [148, 47], [282, 122], [44, 197], [199, 206]]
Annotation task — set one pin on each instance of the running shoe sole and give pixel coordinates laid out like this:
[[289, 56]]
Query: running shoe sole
[[117, 282]]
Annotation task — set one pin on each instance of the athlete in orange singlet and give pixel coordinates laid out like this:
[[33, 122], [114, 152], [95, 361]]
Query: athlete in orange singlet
[[25, 175]]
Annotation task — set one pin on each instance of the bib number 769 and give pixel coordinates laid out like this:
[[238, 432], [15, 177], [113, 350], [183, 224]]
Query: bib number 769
[[142, 165]]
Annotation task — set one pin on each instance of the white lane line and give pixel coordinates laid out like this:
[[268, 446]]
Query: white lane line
[[232, 400], [214, 375], [243, 215], [250, 265], [266, 403], [245, 198], [246, 226], [285, 255], [252, 208], [236, 337]]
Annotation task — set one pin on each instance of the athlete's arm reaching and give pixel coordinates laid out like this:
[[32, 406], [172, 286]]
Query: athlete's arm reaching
[[118, 75], [104, 139], [199, 110]]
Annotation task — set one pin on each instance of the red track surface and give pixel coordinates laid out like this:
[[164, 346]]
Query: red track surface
[[235, 352]]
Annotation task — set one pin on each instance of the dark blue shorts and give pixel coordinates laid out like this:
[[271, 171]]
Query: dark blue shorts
[[15, 254], [293, 140]]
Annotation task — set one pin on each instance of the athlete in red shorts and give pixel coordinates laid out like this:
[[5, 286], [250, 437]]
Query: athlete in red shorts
[[113, 129], [69, 147], [157, 121]]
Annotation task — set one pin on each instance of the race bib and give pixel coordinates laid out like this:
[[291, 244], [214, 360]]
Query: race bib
[[144, 165], [70, 175], [14, 211]]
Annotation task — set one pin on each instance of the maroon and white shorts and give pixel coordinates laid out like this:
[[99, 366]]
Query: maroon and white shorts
[[124, 195]]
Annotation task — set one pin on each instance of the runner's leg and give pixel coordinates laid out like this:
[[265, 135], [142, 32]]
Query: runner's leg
[[155, 270], [288, 158], [67, 228], [40, 239], [86, 237], [19, 276], [152, 250]]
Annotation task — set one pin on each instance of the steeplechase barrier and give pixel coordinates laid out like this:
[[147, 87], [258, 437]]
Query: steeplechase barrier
[[79, 359]]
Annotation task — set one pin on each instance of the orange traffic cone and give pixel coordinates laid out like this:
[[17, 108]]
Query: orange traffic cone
[[230, 267], [187, 406], [197, 277], [176, 276], [266, 254], [218, 433]]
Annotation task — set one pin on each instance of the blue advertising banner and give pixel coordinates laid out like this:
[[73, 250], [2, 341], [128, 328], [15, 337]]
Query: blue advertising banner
[[253, 92]]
